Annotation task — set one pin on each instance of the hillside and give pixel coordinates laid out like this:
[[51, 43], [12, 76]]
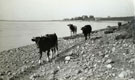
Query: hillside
[[108, 55]]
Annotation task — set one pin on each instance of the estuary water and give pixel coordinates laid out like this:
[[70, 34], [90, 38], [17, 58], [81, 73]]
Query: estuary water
[[16, 34]]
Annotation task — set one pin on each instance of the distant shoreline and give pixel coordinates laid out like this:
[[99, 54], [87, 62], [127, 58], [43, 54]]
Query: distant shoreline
[[60, 21], [126, 18], [29, 20]]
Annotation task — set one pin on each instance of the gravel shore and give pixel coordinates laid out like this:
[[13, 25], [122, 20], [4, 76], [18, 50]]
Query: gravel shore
[[105, 56]]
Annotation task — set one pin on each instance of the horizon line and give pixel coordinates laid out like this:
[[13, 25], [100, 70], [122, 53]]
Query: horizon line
[[60, 19]]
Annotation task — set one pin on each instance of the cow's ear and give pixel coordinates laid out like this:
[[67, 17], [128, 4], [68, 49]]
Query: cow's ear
[[32, 39], [69, 24], [81, 28], [54, 33]]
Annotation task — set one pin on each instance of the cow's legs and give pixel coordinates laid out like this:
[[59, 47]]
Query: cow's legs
[[71, 33], [57, 47], [48, 54], [40, 56], [89, 35], [74, 33], [55, 50], [85, 37], [51, 52]]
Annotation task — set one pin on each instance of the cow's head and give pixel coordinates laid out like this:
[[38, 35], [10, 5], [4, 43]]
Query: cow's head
[[70, 25], [35, 39], [82, 28]]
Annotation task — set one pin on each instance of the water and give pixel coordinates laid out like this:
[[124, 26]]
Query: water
[[16, 34]]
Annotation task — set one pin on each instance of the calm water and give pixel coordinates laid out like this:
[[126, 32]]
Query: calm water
[[16, 34]]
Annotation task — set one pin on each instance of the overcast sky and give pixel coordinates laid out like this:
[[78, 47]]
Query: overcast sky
[[59, 9]]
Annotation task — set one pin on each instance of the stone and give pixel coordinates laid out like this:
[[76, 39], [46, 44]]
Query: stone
[[58, 67], [86, 43], [132, 79], [82, 78], [109, 66], [70, 53], [113, 49], [23, 68], [132, 60], [32, 62], [1, 78], [83, 48], [113, 74], [92, 41], [26, 62], [77, 47], [67, 58], [109, 61], [123, 74], [55, 71], [8, 66], [66, 62], [125, 45], [106, 56], [32, 77], [2, 73], [95, 65], [9, 73], [82, 52], [79, 71], [67, 77]]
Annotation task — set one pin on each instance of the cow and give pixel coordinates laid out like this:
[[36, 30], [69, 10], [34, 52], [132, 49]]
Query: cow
[[54, 41], [86, 30], [48, 43], [73, 29]]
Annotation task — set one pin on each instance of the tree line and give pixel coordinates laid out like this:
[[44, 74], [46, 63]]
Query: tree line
[[84, 17]]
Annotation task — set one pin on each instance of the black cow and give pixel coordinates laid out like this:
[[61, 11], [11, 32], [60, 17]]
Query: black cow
[[73, 29], [54, 42], [86, 30], [46, 43]]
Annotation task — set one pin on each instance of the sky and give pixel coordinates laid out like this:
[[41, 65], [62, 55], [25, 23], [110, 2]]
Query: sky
[[60, 9]]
